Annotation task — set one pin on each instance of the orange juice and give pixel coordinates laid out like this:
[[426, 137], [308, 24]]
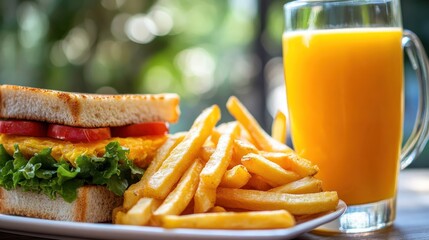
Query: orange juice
[[345, 98]]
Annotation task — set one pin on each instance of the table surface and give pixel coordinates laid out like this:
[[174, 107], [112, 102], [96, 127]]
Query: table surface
[[412, 221]]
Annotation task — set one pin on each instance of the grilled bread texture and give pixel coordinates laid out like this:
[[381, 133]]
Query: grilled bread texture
[[86, 110], [93, 204]]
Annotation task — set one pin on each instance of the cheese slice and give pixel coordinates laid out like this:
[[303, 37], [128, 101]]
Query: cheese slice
[[142, 149]]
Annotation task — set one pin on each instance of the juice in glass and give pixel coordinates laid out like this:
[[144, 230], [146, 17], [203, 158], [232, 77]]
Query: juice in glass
[[345, 99]]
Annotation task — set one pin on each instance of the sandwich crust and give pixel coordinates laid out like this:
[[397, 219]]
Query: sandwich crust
[[93, 204], [86, 110]]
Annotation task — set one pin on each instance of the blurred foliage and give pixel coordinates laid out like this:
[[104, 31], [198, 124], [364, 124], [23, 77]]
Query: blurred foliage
[[131, 46], [198, 49], [204, 50]]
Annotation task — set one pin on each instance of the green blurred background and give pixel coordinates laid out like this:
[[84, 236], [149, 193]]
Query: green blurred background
[[204, 50]]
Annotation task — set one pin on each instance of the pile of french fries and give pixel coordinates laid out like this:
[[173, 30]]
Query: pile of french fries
[[233, 176]]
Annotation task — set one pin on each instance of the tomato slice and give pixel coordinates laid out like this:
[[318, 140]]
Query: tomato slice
[[140, 129], [77, 134], [23, 128]]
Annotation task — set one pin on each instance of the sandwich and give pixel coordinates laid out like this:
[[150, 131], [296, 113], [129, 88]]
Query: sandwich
[[70, 156]]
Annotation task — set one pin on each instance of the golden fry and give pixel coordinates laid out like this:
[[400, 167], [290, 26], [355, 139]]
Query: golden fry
[[297, 204], [204, 199], [117, 215], [189, 209], [131, 197], [217, 132], [245, 136], [217, 209], [271, 172], [180, 158], [206, 152], [302, 186], [195, 176], [213, 171], [257, 183], [236, 177], [279, 127], [140, 213], [231, 220], [292, 162], [222, 129], [215, 135], [179, 198], [135, 191], [241, 148], [264, 141], [215, 168]]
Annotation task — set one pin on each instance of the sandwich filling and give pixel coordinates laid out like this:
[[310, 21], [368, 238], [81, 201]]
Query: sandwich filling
[[58, 164]]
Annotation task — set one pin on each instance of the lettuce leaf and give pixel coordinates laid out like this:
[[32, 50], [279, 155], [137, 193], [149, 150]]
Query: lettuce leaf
[[43, 174]]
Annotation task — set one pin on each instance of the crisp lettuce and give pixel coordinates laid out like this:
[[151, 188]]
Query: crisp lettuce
[[43, 174]]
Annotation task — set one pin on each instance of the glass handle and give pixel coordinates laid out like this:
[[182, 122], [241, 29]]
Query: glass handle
[[419, 136]]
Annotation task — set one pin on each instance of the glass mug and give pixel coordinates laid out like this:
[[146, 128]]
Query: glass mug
[[343, 63]]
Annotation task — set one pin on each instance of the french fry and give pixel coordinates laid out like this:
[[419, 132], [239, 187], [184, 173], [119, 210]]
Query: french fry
[[264, 141], [279, 127], [140, 213], [217, 209], [117, 215], [213, 171], [215, 168], [180, 158], [244, 148], [135, 191], [271, 172], [189, 209], [131, 197], [241, 148], [195, 179], [301, 186], [205, 198], [179, 198], [207, 149], [215, 135], [231, 220], [292, 162], [222, 129], [297, 204], [245, 136], [236, 177], [257, 183], [206, 152]]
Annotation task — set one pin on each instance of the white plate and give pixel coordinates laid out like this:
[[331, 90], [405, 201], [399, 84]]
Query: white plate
[[58, 229]]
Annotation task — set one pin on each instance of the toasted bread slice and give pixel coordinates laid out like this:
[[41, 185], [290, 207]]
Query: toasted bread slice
[[93, 204], [86, 110]]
